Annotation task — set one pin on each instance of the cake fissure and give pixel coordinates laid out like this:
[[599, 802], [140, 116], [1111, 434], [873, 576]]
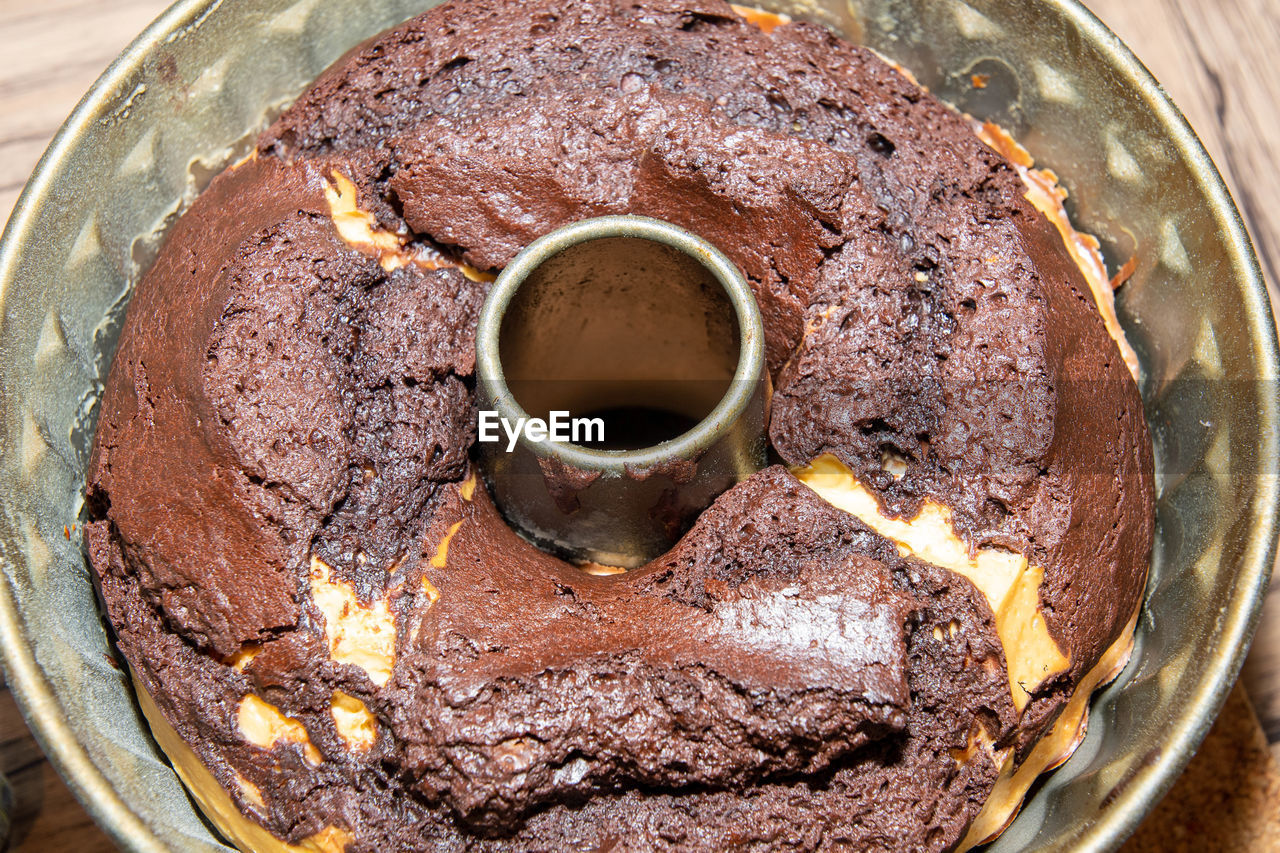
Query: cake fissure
[[343, 646]]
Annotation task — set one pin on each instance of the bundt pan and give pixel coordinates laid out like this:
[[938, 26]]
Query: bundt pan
[[187, 96]]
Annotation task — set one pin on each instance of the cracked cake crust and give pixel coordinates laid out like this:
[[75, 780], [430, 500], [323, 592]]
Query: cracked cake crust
[[284, 511]]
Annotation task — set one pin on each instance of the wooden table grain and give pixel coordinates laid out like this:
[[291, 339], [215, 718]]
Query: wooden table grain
[[1217, 58]]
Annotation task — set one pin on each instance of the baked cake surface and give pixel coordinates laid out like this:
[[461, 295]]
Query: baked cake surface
[[315, 591]]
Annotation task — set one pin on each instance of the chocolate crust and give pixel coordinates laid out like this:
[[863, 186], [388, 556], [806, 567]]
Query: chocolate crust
[[717, 668], [250, 397], [278, 396], [447, 724]]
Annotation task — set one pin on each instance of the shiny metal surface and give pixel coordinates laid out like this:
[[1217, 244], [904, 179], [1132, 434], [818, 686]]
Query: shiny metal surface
[[183, 100], [609, 313]]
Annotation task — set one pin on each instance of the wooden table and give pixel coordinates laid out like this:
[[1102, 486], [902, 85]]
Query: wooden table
[[1216, 58]]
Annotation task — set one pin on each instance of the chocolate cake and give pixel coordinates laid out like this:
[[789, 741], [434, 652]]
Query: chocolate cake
[[877, 643]]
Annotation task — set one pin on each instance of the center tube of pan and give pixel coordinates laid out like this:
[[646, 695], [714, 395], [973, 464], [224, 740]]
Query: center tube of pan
[[620, 365]]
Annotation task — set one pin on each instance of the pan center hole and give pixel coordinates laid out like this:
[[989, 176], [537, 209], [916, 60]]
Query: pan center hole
[[624, 330]]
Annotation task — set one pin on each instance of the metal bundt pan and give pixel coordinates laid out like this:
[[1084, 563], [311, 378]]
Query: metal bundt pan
[[185, 98]]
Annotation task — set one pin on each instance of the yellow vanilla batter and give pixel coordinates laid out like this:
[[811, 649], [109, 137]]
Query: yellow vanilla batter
[[264, 726], [1055, 747], [363, 635], [217, 804], [360, 229], [1011, 584]]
